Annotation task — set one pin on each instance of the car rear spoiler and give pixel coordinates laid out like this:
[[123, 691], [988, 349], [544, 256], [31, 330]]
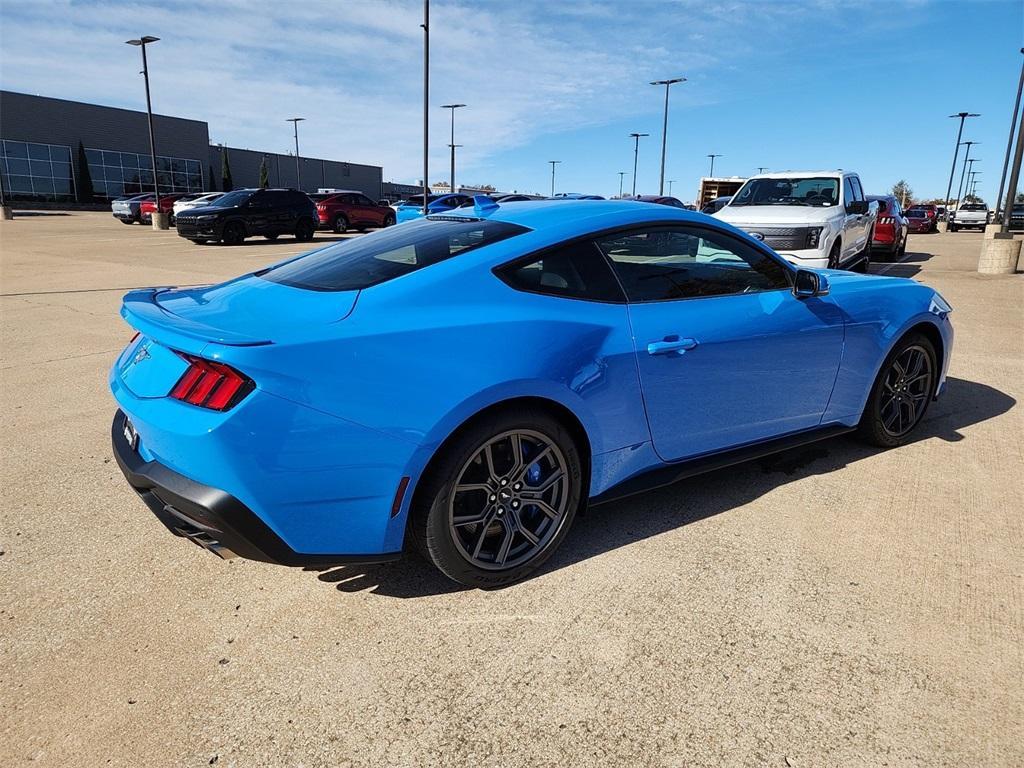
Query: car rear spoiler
[[142, 312]]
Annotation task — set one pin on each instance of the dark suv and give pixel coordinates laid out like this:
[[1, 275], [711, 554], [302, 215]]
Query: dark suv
[[249, 212]]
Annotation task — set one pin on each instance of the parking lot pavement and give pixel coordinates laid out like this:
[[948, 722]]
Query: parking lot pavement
[[836, 605]]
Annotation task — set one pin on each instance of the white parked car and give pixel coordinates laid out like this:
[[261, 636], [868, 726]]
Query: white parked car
[[969, 215], [811, 218], [188, 202]]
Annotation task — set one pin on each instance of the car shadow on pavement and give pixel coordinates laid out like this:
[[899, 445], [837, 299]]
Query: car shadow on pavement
[[908, 266], [620, 523], [322, 238]]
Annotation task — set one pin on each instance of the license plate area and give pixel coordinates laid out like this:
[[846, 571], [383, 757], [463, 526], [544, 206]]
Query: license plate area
[[130, 435]]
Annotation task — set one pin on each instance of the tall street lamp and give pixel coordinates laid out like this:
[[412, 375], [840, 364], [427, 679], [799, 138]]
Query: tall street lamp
[[670, 183], [1009, 146], [636, 155], [453, 107], [761, 169], [664, 128], [142, 42], [712, 171], [553, 164], [622, 174], [298, 175], [426, 101], [956, 150], [963, 171]]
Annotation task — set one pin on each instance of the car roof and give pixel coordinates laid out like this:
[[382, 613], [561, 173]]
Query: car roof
[[577, 214], [798, 174]]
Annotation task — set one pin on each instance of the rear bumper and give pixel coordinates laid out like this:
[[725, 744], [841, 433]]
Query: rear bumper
[[210, 517]]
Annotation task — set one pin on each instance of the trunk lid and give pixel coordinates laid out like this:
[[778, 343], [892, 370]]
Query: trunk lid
[[247, 311]]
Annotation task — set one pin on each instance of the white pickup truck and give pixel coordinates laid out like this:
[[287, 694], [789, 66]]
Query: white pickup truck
[[969, 215], [811, 218]]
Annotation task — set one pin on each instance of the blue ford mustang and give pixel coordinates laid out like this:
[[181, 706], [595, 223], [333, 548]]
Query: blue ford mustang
[[465, 383]]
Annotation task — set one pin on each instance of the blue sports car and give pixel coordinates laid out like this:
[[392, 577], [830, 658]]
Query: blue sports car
[[412, 208], [465, 383]]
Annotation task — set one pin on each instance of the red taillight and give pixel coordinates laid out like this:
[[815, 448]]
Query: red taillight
[[887, 220], [210, 385]]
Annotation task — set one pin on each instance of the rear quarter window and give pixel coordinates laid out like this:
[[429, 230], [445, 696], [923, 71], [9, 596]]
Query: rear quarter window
[[389, 253]]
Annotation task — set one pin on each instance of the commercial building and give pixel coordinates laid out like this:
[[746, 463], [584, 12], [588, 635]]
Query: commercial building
[[39, 158]]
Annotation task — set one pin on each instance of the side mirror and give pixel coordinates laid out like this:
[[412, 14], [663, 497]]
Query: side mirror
[[857, 207], [809, 283]]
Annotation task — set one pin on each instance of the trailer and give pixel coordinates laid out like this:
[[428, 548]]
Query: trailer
[[712, 187]]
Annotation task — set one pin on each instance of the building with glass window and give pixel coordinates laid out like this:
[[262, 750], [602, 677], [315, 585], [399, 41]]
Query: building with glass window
[[40, 160]]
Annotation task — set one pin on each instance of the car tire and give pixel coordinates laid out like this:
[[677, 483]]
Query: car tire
[[952, 228], [200, 241], [901, 393], [833, 255], [340, 224], [389, 221], [305, 230], [129, 222], [864, 259], [234, 233], [485, 519], [273, 236]]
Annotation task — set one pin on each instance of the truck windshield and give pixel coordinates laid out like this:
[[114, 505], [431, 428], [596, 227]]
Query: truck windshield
[[817, 191]]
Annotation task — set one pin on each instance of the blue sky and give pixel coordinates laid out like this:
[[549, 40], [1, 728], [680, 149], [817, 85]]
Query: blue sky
[[815, 84]]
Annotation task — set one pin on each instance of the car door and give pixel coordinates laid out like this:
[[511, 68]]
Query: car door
[[727, 355], [257, 213], [854, 223], [369, 212]]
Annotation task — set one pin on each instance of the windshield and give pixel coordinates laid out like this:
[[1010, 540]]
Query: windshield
[[973, 207], [233, 199], [917, 213], [816, 191], [389, 253]]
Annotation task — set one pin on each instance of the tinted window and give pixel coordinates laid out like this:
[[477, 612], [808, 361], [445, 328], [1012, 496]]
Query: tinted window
[[363, 200], [857, 191], [355, 264], [576, 271], [816, 191], [232, 199], [687, 263]]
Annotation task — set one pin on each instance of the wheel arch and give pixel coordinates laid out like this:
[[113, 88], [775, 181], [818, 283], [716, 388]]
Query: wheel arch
[[556, 409]]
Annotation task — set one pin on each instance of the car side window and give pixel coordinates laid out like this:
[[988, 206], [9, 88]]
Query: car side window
[[363, 200], [857, 191], [575, 271], [848, 196], [687, 263]]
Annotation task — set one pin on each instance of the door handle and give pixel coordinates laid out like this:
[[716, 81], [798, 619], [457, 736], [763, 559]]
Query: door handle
[[671, 345]]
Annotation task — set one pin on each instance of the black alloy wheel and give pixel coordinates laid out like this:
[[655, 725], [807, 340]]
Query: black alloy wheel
[[499, 499], [340, 224], [234, 233], [389, 220], [304, 231], [833, 255], [902, 392]]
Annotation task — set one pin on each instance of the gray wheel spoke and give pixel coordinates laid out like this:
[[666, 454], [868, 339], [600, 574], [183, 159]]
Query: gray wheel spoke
[[517, 454], [506, 544], [534, 491], [544, 507], [464, 487], [539, 457], [527, 534], [489, 457], [481, 536], [484, 517]]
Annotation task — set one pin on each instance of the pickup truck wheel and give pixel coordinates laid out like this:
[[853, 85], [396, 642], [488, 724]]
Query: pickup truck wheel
[[833, 255], [340, 224], [864, 262]]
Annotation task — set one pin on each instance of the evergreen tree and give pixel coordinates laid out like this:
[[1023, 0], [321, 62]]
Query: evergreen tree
[[264, 174], [83, 187], [226, 184], [212, 179], [902, 192]]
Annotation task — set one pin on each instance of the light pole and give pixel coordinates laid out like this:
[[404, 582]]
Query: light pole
[[960, 186], [974, 183], [622, 175], [142, 42], [1009, 145], [956, 150], [453, 107], [553, 164], [670, 183], [761, 169], [426, 100], [664, 128], [1011, 191], [712, 171], [636, 155], [298, 175], [970, 174]]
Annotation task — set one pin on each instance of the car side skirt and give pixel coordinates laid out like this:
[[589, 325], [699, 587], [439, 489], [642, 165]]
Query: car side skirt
[[672, 473]]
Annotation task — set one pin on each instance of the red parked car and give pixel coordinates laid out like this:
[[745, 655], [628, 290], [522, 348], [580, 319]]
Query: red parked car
[[353, 210], [919, 221], [931, 212], [166, 206], [891, 229]]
